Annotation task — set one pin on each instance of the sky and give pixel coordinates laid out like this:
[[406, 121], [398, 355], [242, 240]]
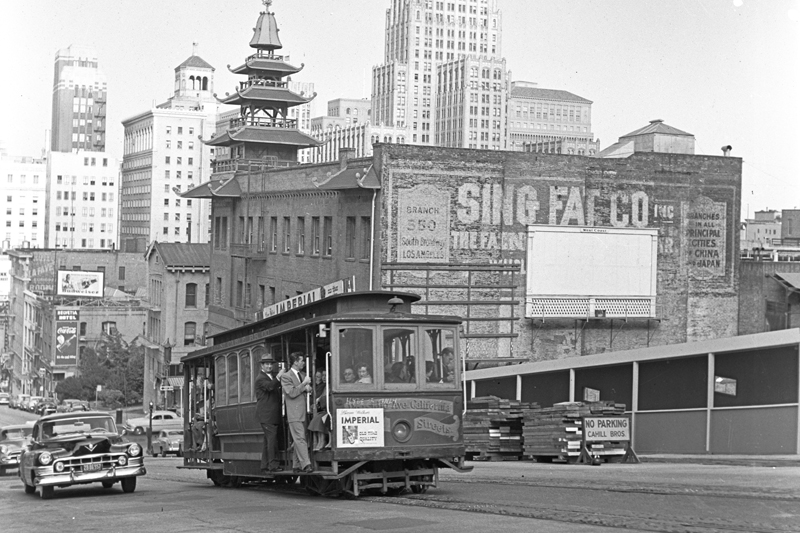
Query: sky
[[727, 71]]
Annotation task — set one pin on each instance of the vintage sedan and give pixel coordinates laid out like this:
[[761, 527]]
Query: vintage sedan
[[12, 441], [168, 441], [78, 448], [67, 406], [161, 420]]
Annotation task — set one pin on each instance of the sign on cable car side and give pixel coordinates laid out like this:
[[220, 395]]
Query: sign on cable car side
[[360, 428], [320, 293], [597, 429]]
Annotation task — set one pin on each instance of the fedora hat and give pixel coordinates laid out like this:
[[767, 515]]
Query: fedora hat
[[266, 358]]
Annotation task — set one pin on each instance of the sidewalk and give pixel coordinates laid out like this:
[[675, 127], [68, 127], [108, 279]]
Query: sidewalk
[[709, 459]]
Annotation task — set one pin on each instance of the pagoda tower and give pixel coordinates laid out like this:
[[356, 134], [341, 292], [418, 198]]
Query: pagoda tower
[[262, 136]]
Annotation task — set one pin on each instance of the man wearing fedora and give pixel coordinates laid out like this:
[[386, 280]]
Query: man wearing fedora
[[268, 411]]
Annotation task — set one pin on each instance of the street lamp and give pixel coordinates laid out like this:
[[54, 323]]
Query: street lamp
[[150, 431]]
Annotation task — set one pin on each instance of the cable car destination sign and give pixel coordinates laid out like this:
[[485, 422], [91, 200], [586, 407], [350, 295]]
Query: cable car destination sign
[[320, 293], [598, 429]]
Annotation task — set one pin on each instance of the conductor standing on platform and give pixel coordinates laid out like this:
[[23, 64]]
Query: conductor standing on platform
[[268, 411], [296, 387]]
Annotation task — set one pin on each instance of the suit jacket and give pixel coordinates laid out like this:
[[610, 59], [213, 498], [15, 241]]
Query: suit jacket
[[268, 394], [294, 397]]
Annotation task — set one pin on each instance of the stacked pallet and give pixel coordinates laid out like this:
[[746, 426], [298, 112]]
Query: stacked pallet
[[493, 428], [557, 432]]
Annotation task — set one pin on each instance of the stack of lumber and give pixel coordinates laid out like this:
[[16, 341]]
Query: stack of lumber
[[493, 428], [557, 431]]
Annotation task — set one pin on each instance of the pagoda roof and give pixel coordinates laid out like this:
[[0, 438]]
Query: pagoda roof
[[227, 188], [351, 177], [194, 62], [261, 135], [266, 94], [264, 65]]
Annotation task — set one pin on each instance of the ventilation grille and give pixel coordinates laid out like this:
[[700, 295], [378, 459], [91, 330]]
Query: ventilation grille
[[570, 307]]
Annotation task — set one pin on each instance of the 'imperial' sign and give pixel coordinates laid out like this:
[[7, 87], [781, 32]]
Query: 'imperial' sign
[[337, 287]]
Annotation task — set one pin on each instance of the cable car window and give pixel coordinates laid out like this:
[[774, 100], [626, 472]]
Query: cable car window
[[442, 364], [356, 358], [219, 383], [245, 377], [399, 357], [233, 379]]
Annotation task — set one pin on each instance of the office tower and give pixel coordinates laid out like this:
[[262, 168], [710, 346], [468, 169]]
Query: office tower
[[420, 36], [79, 102]]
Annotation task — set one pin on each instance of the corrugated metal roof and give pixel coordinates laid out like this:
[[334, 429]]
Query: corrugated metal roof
[[657, 126], [547, 94], [194, 62], [176, 254]]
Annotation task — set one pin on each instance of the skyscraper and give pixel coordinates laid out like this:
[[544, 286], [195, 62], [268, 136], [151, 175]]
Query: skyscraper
[[420, 36], [163, 155], [79, 102]]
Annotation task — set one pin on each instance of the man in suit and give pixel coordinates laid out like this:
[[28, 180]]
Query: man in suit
[[268, 411], [296, 387]]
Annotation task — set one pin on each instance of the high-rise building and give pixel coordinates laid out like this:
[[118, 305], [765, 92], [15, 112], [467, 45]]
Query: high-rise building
[[79, 102], [82, 200], [420, 36], [22, 212], [549, 121], [163, 155]]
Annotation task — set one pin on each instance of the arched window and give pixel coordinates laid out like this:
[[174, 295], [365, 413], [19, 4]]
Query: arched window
[[189, 333], [191, 295], [205, 83]]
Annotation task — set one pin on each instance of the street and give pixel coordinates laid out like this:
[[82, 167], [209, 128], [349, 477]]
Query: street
[[507, 496]]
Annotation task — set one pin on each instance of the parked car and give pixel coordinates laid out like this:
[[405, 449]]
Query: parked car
[[69, 405], [79, 448], [5, 398], [45, 407], [13, 439], [169, 441], [30, 406], [161, 420], [20, 400]]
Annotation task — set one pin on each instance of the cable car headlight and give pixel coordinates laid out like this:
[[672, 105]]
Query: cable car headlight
[[45, 458], [134, 450], [401, 431]]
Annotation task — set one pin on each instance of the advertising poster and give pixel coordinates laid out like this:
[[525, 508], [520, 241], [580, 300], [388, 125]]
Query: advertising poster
[[66, 341], [360, 428], [80, 283]]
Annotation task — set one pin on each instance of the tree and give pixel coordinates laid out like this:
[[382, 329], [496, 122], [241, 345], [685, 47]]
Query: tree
[[72, 388], [116, 365]]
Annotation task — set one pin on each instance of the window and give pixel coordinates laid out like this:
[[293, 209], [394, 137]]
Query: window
[[350, 238], [189, 333], [327, 241], [109, 328], [273, 231], [301, 235], [233, 379], [191, 295], [206, 295], [245, 377], [315, 236], [239, 293], [287, 235], [218, 291], [366, 237], [121, 274], [220, 387], [82, 329], [356, 365]]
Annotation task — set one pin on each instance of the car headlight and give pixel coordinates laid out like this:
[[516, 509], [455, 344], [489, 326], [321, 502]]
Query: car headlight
[[3, 449], [45, 458], [122, 460], [59, 466], [134, 450]]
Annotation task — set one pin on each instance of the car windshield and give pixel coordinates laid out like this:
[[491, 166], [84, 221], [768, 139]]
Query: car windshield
[[174, 433], [67, 426]]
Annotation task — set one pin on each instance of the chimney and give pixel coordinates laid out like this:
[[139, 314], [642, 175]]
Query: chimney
[[726, 150], [345, 154]]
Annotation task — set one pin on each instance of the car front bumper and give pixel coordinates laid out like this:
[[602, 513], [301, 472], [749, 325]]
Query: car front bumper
[[9, 461], [45, 476]]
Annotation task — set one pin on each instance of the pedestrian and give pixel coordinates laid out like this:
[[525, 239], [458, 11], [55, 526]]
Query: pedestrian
[[296, 387], [268, 411], [319, 423]]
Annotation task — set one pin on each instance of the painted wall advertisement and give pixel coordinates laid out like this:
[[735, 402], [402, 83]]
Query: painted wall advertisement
[[66, 341], [360, 428]]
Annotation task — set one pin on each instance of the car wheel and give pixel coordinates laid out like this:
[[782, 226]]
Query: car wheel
[[46, 492], [163, 453], [138, 430], [108, 484], [155, 453], [128, 484]]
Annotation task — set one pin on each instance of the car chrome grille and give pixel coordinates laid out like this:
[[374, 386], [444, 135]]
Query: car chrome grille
[[77, 463]]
